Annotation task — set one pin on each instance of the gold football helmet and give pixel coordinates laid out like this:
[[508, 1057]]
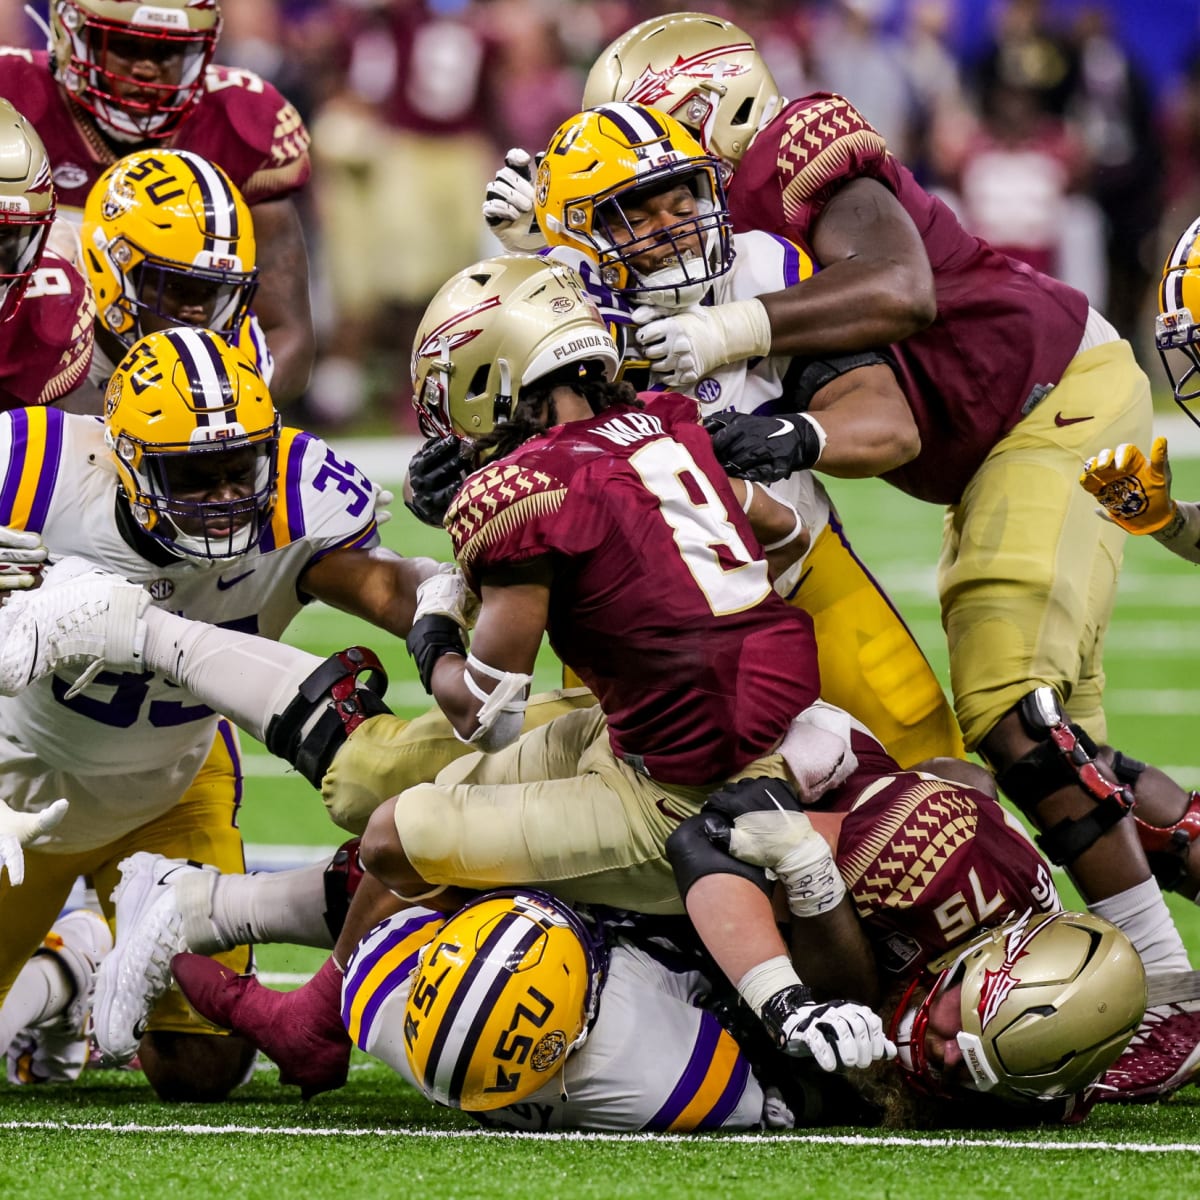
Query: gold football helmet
[[94, 45], [703, 70], [1047, 1004], [604, 165], [166, 234], [505, 991], [494, 328], [26, 205], [1175, 328], [195, 439]]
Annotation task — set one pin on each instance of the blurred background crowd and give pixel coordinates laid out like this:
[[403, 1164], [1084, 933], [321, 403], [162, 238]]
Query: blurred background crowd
[[1066, 132]]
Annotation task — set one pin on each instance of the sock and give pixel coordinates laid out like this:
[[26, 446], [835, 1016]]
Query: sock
[[1142, 915], [223, 911], [247, 678], [42, 990]]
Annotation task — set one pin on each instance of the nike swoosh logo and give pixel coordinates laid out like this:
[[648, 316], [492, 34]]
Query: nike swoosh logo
[[223, 584], [785, 427], [1060, 420]]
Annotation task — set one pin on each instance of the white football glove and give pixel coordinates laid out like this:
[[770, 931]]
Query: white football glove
[[684, 347], [836, 1035], [508, 205], [384, 500], [446, 594], [22, 556], [18, 830]]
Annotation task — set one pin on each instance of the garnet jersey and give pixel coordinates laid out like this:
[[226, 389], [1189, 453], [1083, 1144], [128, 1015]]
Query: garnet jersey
[[240, 122], [46, 345], [1003, 334], [125, 749], [661, 601]]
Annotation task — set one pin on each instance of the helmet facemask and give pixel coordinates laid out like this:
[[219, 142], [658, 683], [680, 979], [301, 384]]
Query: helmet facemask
[[1176, 333], [163, 290], [22, 241]]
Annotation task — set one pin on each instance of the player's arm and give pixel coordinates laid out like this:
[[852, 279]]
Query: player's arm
[[483, 693], [779, 528], [282, 303]]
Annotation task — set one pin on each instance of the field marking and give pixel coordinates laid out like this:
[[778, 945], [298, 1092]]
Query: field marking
[[749, 1139]]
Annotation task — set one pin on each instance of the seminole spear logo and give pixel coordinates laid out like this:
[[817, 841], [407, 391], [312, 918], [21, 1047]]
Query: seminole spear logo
[[999, 983], [652, 85]]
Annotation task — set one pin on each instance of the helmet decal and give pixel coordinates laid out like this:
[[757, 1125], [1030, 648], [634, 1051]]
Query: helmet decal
[[653, 85]]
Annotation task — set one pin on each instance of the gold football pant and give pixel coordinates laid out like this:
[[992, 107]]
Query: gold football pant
[[201, 827]]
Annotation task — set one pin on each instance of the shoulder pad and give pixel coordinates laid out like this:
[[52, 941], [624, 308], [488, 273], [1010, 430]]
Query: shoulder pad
[[825, 142], [495, 502], [807, 376], [27, 82]]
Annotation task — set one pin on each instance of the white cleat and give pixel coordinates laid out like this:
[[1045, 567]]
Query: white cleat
[[56, 1050], [79, 617], [149, 934]]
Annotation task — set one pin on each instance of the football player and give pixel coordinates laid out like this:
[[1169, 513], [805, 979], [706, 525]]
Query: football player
[[191, 488], [1012, 381], [120, 77]]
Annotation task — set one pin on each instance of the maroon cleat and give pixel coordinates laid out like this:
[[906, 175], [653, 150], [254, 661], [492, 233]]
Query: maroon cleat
[[301, 1031], [1163, 1056]]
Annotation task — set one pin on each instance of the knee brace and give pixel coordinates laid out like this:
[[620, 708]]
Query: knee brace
[[341, 880], [693, 854], [329, 706], [1064, 756], [1166, 846]]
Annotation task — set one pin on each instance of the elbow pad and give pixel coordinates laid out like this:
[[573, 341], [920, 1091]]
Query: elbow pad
[[502, 710]]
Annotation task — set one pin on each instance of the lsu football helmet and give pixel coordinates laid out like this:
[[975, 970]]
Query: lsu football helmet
[[1176, 328], [176, 401], [494, 328], [703, 70], [505, 991], [163, 229], [1048, 1003], [94, 44], [26, 205], [604, 163]]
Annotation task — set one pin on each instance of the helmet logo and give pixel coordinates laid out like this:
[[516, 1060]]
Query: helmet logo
[[548, 1050], [998, 984], [651, 85], [440, 340], [561, 304]]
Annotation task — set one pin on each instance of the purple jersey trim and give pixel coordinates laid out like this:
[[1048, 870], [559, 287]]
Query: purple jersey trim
[[693, 1077]]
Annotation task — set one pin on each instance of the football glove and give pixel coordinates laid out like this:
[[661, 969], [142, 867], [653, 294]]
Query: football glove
[[685, 346], [446, 594], [22, 556], [508, 205], [765, 449], [1133, 492], [384, 499], [837, 1035], [435, 473], [18, 830]]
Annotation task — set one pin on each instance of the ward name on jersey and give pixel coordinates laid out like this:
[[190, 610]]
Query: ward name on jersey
[[125, 749], [240, 122], [698, 684]]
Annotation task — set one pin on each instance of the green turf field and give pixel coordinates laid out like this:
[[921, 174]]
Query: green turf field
[[108, 1137]]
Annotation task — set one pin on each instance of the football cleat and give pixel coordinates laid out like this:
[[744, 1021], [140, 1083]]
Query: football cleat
[[138, 971], [56, 1050], [79, 617], [1163, 1056], [301, 1031]]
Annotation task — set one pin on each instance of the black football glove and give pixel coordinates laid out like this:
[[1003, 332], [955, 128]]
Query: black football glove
[[763, 449], [435, 473]]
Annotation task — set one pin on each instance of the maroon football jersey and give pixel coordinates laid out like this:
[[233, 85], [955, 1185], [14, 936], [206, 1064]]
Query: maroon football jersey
[[46, 345], [240, 122], [661, 601], [1003, 334], [928, 863]]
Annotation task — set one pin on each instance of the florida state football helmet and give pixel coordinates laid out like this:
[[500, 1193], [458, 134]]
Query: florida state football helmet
[[1177, 326], [26, 206], [601, 168], [1047, 1005], [505, 991], [495, 327], [137, 68], [703, 70]]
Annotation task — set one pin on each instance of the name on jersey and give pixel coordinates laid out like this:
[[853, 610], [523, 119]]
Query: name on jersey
[[629, 428]]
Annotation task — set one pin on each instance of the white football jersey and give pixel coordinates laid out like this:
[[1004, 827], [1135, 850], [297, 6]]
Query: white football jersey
[[653, 1059], [126, 748], [763, 263]]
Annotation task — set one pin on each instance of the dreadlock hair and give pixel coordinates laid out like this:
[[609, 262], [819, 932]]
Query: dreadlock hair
[[535, 410]]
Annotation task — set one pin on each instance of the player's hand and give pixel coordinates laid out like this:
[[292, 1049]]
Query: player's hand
[[384, 500], [18, 830], [762, 820], [22, 556], [764, 449], [435, 473], [508, 205], [446, 594], [1133, 492], [837, 1035], [685, 346]]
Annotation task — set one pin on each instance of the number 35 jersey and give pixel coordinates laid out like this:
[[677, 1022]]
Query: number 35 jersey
[[126, 748]]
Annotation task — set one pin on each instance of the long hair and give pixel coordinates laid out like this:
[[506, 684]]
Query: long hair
[[535, 410]]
